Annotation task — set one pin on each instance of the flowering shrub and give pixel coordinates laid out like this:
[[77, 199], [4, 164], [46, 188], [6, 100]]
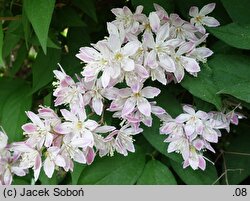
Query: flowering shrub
[[125, 90]]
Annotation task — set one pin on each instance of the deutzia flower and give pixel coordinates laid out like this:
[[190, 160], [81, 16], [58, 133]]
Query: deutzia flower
[[200, 18]]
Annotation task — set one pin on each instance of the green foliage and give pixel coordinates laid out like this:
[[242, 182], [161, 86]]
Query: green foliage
[[42, 33], [156, 173], [234, 35], [39, 13], [189, 176], [114, 170]]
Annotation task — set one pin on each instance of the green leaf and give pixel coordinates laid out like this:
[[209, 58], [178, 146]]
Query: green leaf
[[203, 86], [12, 37], [39, 13], [153, 136], [78, 168], [240, 91], [233, 34], [88, 7], [230, 71], [148, 5], [156, 173], [42, 68], [167, 101], [26, 27], [238, 160], [114, 170], [14, 101], [1, 46], [239, 12], [196, 177]]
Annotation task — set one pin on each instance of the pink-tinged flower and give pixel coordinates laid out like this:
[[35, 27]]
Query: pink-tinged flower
[[52, 160], [67, 91], [162, 48], [49, 115], [193, 121], [162, 14], [136, 96], [94, 96], [181, 29], [39, 131], [72, 149], [121, 55], [123, 141], [127, 19], [209, 133], [195, 160], [3, 140], [200, 54], [29, 158], [79, 126], [200, 18], [184, 62]]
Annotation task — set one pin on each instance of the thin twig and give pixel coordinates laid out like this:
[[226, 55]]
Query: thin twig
[[237, 153], [10, 18], [225, 172]]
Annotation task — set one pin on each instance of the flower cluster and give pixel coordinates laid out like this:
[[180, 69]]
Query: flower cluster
[[138, 48], [191, 133]]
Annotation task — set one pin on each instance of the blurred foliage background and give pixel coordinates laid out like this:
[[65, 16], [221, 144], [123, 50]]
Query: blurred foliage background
[[36, 35]]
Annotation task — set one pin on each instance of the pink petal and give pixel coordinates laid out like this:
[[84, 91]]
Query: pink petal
[[167, 63], [191, 65], [48, 140], [128, 64], [130, 48], [202, 115], [179, 73], [189, 129], [88, 54], [104, 129], [29, 128], [35, 119], [183, 118], [90, 156], [207, 9], [185, 48], [105, 78], [150, 92], [144, 107], [154, 21], [69, 116], [210, 21], [60, 161], [193, 12], [128, 106], [163, 33], [150, 59], [49, 167], [188, 109], [97, 105], [91, 124], [202, 163]]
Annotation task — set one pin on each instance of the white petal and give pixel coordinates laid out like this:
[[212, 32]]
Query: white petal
[[150, 92], [193, 12], [207, 9], [144, 107], [154, 21], [128, 106], [97, 105], [49, 167]]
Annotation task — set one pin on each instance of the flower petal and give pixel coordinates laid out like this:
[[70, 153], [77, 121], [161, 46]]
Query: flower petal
[[207, 9], [129, 106], [150, 92], [144, 106]]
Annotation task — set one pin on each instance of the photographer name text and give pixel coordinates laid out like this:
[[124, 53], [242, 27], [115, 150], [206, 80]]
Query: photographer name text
[[42, 192]]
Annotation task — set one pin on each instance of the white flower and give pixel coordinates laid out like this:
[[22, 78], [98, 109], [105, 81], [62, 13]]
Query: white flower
[[200, 18]]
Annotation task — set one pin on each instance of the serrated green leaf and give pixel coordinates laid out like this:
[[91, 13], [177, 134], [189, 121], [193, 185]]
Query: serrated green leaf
[[156, 173], [239, 12], [203, 86], [14, 100], [231, 75], [42, 68], [114, 170], [196, 177], [148, 5], [240, 91], [233, 34], [39, 13]]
